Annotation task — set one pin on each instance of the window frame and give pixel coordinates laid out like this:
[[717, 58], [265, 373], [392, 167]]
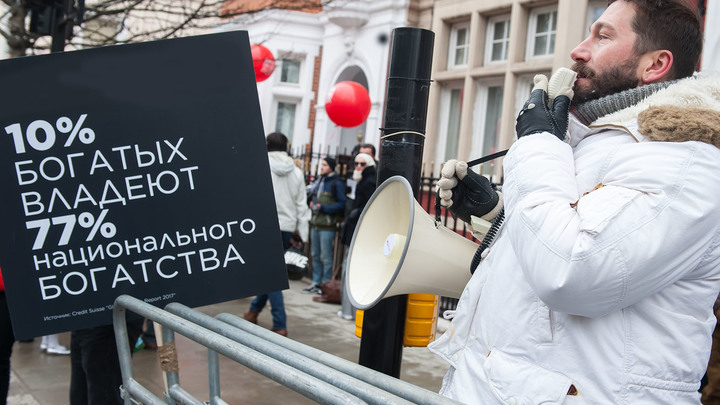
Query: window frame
[[490, 39], [453, 46], [444, 117], [480, 109], [532, 34], [296, 103], [523, 87], [299, 72]]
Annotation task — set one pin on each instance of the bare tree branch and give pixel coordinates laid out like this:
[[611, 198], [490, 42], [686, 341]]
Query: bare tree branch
[[108, 22]]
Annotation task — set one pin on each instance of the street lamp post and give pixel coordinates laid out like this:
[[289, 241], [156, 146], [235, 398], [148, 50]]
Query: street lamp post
[[55, 18]]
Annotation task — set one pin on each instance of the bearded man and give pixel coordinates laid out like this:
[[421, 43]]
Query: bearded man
[[600, 284]]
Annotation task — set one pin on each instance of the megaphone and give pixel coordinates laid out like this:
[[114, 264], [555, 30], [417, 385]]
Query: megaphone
[[397, 248]]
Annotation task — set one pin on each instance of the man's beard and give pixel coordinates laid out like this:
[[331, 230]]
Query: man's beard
[[615, 80]]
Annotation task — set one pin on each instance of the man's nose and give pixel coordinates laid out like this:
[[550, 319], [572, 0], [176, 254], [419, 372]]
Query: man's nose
[[581, 53]]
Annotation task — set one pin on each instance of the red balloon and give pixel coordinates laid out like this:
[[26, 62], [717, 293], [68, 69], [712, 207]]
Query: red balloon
[[263, 62], [348, 104]]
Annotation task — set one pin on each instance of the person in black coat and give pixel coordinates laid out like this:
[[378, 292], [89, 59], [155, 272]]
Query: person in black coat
[[365, 176]]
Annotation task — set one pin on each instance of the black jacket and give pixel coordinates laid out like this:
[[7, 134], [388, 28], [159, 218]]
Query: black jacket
[[363, 191]]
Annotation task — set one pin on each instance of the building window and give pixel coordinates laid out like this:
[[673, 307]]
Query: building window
[[285, 120], [459, 46], [595, 10], [524, 86], [498, 39], [543, 25], [449, 124], [488, 114], [290, 71]]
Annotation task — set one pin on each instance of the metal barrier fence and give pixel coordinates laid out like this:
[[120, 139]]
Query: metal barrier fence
[[317, 375]]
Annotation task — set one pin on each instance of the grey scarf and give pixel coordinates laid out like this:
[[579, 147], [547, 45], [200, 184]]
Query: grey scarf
[[590, 111]]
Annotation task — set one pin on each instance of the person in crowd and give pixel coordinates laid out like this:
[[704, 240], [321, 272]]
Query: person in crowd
[[363, 148], [599, 286], [293, 215], [7, 339], [95, 375], [327, 196], [367, 148], [365, 176], [51, 345], [147, 339]]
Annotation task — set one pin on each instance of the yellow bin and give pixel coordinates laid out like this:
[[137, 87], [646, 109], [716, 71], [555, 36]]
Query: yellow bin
[[420, 320], [358, 322]]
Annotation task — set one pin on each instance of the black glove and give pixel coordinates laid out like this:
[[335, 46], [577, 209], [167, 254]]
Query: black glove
[[536, 117], [465, 192]]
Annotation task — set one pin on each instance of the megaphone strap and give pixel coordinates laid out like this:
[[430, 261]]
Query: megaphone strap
[[487, 240], [399, 133]]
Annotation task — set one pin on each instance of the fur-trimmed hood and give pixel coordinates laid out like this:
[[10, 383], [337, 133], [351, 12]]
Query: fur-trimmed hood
[[688, 110]]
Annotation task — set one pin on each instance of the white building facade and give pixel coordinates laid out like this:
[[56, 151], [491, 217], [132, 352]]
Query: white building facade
[[486, 53], [347, 41], [485, 56]]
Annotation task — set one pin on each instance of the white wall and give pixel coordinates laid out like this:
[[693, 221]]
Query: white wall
[[349, 34], [286, 33], [348, 47]]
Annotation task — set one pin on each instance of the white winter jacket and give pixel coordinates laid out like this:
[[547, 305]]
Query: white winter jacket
[[600, 286], [290, 198]]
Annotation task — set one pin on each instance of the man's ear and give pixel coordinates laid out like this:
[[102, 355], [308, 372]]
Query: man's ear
[[655, 66]]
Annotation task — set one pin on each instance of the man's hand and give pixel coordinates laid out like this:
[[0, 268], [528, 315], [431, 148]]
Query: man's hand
[[536, 117], [465, 192]]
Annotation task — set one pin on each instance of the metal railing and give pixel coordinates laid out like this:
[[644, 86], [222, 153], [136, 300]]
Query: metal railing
[[319, 376], [428, 180]]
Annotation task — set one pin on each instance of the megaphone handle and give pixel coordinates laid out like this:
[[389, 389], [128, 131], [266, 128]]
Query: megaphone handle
[[487, 240], [470, 164]]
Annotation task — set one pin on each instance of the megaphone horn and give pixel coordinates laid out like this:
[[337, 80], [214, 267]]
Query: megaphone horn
[[398, 248]]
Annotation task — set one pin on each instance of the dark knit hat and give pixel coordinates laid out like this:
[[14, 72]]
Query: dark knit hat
[[331, 162]]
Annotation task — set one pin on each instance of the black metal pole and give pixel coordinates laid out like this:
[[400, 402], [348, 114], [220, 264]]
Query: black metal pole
[[401, 148], [62, 24]]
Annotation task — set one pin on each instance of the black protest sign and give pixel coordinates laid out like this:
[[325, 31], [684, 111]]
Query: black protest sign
[[137, 169]]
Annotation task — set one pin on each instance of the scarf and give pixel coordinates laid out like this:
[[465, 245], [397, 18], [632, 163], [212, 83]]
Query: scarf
[[590, 111]]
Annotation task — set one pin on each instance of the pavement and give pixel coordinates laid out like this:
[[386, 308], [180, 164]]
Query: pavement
[[38, 378]]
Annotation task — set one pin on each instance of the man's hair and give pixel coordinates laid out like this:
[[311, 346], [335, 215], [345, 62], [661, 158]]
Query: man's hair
[[673, 25], [277, 142], [370, 146]]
